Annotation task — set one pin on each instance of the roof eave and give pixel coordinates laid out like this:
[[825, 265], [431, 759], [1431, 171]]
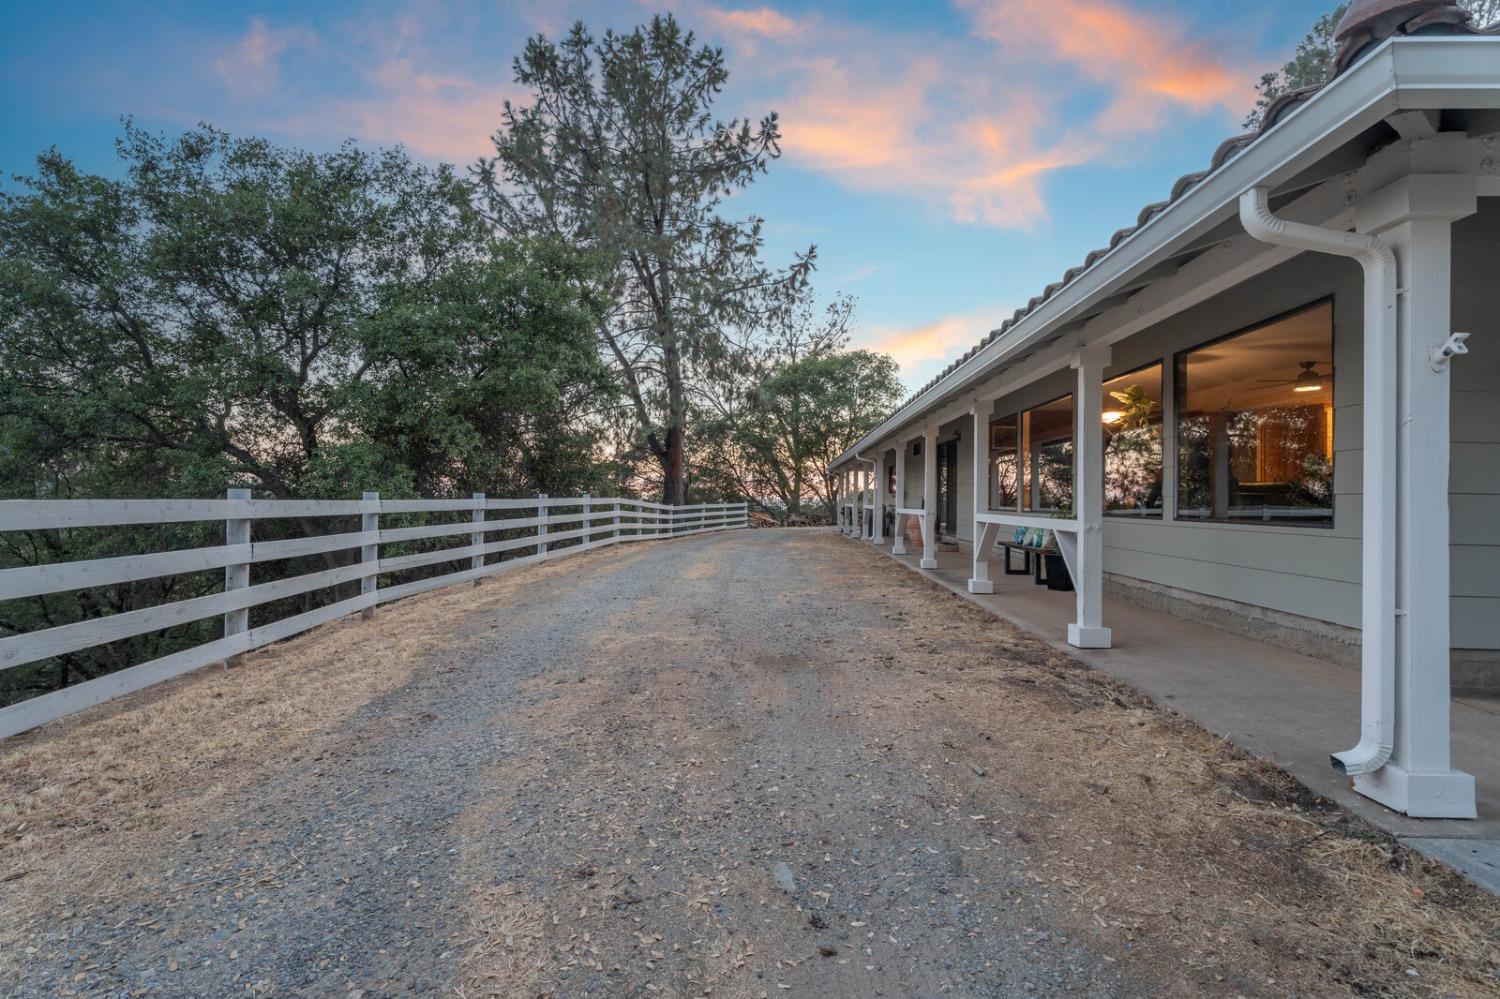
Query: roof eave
[[1406, 73]]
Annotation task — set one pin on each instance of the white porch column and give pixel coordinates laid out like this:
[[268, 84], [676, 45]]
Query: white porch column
[[849, 501], [861, 475], [1415, 216], [984, 534], [843, 501], [866, 521], [929, 498], [1088, 632], [898, 546], [878, 516]]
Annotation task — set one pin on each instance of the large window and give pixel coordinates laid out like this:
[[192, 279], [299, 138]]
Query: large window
[[1047, 456], [1005, 464], [1132, 444], [1255, 424]]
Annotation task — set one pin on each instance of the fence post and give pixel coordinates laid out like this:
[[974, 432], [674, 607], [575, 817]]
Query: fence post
[[236, 576], [541, 529], [617, 522], [586, 522], [476, 540], [369, 556]]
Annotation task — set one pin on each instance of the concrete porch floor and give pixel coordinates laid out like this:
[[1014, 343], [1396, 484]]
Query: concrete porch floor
[[1272, 702]]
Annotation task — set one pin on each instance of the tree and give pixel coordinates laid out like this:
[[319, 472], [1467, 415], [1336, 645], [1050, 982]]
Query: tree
[[308, 325], [311, 325], [775, 439], [1312, 64], [619, 152]]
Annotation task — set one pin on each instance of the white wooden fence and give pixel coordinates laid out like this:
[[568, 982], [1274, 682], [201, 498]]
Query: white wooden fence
[[552, 527]]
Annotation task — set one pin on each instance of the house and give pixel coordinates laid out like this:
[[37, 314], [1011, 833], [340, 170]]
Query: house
[[1274, 401]]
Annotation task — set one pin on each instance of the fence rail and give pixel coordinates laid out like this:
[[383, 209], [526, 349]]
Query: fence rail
[[553, 528]]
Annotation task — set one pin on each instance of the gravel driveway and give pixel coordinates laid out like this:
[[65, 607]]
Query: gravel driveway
[[748, 764]]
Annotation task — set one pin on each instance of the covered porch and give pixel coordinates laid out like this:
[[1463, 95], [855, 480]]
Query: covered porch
[[1259, 401]]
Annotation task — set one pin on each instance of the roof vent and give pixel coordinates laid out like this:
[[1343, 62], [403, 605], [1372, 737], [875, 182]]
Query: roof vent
[[1370, 22]]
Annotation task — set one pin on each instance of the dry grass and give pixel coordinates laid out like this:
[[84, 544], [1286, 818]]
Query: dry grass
[[506, 959], [1156, 834], [81, 800]]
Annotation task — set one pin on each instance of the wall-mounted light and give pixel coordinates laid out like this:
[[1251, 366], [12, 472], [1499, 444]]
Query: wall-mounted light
[[1113, 416]]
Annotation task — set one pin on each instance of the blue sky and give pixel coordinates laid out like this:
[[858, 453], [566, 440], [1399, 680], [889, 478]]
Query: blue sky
[[948, 159]]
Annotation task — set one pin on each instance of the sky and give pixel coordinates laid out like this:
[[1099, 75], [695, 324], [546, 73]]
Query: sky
[[949, 160]]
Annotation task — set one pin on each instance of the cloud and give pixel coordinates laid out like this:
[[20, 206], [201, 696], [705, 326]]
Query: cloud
[[446, 116], [397, 100], [253, 65], [923, 350], [1150, 61], [764, 22], [972, 125], [976, 125]]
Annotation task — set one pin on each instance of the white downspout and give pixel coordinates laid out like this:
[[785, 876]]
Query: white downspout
[[1378, 575]]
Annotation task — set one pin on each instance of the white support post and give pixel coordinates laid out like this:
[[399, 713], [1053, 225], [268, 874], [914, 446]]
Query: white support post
[[842, 502], [929, 498], [541, 528], [1414, 216], [1088, 632], [862, 478], [898, 547], [476, 539], [849, 501], [237, 576], [369, 556], [586, 522], [617, 522], [879, 493], [984, 534]]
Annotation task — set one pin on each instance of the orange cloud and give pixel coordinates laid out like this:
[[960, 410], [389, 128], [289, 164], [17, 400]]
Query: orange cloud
[[902, 129], [1148, 59], [922, 351]]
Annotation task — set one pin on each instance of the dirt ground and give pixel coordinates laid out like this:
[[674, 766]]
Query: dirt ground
[[756, 764]]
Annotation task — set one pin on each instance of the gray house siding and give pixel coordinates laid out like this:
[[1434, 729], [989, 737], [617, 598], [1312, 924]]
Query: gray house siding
[[1474, 482]]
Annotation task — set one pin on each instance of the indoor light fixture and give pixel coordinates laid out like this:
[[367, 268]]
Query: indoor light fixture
[[1113, 416], [1309, 380]]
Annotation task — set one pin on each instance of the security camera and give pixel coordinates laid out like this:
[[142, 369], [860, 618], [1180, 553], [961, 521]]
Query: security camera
[[1455, 346]]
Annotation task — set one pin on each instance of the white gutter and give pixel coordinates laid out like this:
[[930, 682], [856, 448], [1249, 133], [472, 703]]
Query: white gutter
[[1378, 576]]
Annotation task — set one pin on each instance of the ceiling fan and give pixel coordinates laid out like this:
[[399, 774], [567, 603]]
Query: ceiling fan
[[1308, 380]]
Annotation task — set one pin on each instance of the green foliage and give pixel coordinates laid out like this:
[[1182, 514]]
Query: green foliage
[[232, 312], [311, 325], [1312, 64], [814, 399], [619, 153]]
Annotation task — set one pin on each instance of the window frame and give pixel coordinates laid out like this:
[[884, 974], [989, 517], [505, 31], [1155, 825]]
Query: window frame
[[1161, 514], [1023, 484], [1175, 517], [1015, 421]]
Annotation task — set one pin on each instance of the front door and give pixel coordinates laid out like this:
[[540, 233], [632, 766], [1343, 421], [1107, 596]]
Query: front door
[[947, 505]]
